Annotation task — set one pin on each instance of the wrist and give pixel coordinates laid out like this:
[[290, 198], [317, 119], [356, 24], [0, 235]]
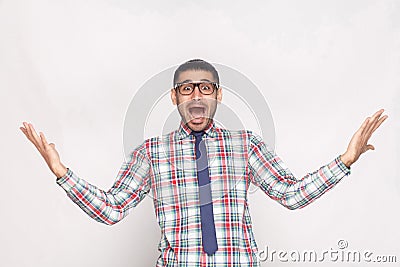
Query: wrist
[[60, 171], [346, 161]]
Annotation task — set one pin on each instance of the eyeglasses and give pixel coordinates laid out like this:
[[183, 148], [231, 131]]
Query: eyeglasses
[[187, 88]]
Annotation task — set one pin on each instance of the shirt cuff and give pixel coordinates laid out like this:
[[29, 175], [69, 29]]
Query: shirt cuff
[[68, 181], [339, 169]]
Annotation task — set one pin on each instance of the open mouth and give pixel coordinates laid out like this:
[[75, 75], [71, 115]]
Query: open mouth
[[197, 112]]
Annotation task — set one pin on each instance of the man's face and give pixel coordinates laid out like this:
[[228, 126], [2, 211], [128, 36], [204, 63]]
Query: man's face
[[197, 110]]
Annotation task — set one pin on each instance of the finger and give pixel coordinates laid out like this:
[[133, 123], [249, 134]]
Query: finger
[[369, 127], [366, 148], [364, 126], [374, 119], [23, 130], [378, 113], [36, 137], [370, 147], [43, 138], [371, 123], [30, 135], [379, 122], [27, 130]]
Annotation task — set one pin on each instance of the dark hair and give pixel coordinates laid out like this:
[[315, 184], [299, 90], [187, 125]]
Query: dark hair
[[196, 64]]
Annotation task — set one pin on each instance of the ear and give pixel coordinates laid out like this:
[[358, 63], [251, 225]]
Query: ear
[[219, 94], [173, 96]]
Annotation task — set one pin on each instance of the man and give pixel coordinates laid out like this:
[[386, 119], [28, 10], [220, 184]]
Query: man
[[199, 176]]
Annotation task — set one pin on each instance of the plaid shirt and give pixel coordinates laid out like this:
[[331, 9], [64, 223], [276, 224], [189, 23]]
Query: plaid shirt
[[165, 168]]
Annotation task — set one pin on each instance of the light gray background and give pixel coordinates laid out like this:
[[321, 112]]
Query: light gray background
[[72, 67]]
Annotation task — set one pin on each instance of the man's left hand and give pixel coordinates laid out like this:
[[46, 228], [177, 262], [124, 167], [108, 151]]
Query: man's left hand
[[359, 142]]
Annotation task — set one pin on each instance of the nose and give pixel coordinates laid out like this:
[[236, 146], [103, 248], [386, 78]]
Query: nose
[[196, 93]]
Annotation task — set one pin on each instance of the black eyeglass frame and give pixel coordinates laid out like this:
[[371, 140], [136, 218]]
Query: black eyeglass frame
[[215, 86]]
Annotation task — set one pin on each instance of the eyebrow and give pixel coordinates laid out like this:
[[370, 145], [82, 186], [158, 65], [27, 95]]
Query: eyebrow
[[202, 80]]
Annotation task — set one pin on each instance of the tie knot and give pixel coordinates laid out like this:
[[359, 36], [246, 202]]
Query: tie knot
[[197, 134]]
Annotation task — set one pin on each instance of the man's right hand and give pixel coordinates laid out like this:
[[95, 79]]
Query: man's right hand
[[48, 151]]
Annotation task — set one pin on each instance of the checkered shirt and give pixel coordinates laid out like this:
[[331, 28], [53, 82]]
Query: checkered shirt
[[164, 168]]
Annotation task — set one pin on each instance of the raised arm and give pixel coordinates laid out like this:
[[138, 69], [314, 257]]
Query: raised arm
[[269, 172], [130, 187]]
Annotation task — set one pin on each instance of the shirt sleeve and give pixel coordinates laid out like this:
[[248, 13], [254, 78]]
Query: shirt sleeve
[[268, 172], [109, 207]]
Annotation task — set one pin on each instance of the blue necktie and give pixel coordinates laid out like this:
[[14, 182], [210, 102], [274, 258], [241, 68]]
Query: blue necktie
[[209, 237]]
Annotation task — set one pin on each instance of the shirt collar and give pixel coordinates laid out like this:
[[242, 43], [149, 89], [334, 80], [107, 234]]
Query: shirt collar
[[185, 131]]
